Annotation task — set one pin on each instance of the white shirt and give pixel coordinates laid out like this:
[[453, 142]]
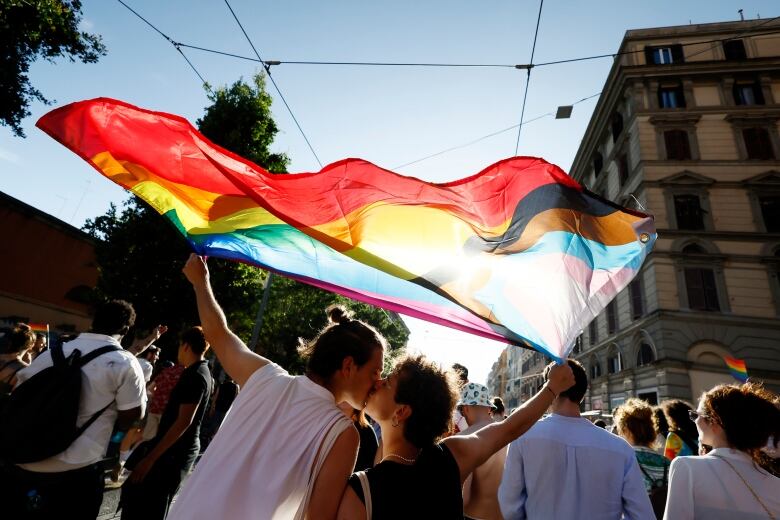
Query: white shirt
[[146, 367], [706, 487], [113, 378], [264, 460], [568, 468]]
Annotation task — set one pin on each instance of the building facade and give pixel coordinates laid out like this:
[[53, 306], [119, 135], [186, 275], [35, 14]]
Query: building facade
[[687, 129], [48, 269]]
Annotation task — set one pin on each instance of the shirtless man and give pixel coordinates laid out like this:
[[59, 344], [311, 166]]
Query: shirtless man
[[480, 491]]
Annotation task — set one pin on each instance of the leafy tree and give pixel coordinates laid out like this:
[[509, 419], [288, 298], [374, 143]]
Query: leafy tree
[[140, 255], [30, 29], [296, 310], [239, 119]]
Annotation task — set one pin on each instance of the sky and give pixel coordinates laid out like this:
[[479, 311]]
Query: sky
[[391, 116]]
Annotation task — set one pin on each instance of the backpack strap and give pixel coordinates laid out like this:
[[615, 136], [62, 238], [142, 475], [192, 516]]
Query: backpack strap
[[83, 360], [57, 357], [80, 362]]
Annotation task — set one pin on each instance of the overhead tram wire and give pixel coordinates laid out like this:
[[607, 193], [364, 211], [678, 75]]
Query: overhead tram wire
[[492, 134], [273, 82], [175, 44], [528, 76], [471, 65]]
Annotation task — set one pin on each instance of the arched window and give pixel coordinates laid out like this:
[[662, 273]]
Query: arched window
[[614, 362], [595, 369], [616, 125], [598, 163], [645, 355], [694, 249]]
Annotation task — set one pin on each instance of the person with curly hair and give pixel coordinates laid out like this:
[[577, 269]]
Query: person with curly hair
[[634, 422], [419, 475], [734, 479]]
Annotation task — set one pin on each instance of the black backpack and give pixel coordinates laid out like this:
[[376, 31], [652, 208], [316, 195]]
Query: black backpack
[[39, 418]]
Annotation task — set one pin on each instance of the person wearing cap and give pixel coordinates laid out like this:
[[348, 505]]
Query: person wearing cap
[[480, 491]]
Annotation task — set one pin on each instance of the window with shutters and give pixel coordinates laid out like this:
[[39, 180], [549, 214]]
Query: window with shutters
[[758, 144], [614, 363], [671, 96], [622, 164], [593, 332], [637, 300], [664, 55], [678, 147], [616, 125], [747, 93], [598, 163], [770, 212], [734, 50], [612, 322], [645, 355], [595, 369], [688, 212]]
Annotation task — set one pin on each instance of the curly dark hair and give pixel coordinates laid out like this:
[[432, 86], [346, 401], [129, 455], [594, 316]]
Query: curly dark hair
[[659, 421], [636, 418], [342, 337], [749, 415], [676, 412], [113, 317], [431, 393]]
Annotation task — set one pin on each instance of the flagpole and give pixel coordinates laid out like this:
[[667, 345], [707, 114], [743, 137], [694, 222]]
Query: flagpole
[[260, 312]]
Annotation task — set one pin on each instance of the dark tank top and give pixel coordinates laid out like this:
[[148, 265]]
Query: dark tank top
[[429, 488]]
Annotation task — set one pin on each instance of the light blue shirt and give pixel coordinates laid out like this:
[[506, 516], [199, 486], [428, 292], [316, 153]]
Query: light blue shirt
[[568, 468]]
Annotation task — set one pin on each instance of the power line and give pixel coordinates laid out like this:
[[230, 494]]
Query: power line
[[273, 82], [492, 134], [176, 45], [473, 65], [528, 76]]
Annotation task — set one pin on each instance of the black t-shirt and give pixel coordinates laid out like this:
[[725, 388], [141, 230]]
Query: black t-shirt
[[194, 386], [429, 488], [227, 393], [368, 447]]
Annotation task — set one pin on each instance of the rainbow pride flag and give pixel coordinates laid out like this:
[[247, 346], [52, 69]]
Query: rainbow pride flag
[[737, 368], [519, 252], [39, 327]]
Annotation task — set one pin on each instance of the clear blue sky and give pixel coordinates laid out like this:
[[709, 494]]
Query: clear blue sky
[[387, 115]]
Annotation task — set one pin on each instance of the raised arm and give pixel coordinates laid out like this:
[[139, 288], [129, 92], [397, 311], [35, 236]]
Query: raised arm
[[237, 360], [471, 451], [141, 345]]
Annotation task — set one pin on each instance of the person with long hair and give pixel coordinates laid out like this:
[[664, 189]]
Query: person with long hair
[[420, 476], [682, 438], [285, 450], [734, 479], [661, 428], [14, 345]]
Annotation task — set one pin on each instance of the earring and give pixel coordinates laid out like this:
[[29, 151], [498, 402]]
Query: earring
[[394, 422]]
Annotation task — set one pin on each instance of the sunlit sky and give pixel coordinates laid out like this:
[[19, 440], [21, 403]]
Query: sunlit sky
[[388, 115]]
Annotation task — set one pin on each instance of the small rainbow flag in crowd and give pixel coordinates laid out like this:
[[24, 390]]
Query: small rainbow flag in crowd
[[737, 368], [519, 252], [39, 327]]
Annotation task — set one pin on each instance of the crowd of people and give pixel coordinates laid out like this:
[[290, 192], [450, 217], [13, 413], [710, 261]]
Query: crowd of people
[[346, 441]]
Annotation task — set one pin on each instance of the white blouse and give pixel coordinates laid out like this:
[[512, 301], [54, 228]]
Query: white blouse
[[707, 488]]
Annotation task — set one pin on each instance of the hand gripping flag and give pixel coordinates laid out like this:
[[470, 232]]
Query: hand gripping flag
[[519, 252]]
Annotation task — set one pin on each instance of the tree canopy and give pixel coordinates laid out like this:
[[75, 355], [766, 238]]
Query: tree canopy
[[140, 254], [37, 29]]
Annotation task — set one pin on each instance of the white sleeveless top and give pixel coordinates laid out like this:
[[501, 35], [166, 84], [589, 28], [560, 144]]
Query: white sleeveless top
[[265, 458]]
